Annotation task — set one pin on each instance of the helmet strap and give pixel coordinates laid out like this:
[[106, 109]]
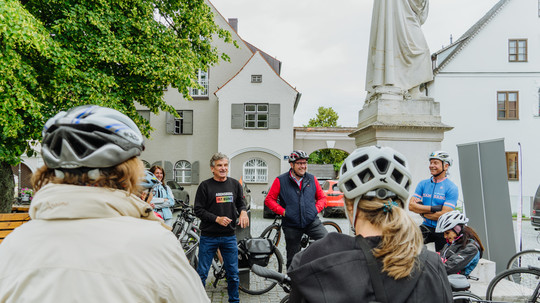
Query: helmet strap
[[355, 211], [147, 195]]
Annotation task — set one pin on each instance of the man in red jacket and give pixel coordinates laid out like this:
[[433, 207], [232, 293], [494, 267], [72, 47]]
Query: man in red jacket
[[300, 200]]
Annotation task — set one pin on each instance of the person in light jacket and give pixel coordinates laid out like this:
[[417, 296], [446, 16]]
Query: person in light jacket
[[163, 197], [91, 238]]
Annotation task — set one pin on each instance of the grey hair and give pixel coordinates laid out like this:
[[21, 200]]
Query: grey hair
[[216, 157]]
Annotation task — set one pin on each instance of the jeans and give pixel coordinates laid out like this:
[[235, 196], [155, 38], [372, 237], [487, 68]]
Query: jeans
[[315, 230], [430, 235], [229, 251]]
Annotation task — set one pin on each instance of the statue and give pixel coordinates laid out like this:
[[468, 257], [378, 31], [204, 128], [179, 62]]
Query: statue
[[399, 60]]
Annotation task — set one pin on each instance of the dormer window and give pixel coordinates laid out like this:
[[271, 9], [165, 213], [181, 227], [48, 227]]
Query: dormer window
[[256, 78]]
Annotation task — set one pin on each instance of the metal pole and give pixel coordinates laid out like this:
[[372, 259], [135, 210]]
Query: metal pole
[[520, 207]]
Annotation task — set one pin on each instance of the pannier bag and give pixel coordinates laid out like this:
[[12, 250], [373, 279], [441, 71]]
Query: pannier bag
[[258, 251]]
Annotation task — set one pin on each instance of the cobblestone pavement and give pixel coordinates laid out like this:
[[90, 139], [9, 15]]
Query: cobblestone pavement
[[258, 224]]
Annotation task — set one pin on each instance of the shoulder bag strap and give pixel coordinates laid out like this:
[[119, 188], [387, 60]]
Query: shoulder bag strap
[[374, 270]]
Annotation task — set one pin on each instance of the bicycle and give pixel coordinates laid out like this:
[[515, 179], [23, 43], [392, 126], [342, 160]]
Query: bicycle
[[526, 258], [460, 289], [273, 231], [280, 278], [515, 285]]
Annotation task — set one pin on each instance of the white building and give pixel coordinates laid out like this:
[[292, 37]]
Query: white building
[[488, 86]]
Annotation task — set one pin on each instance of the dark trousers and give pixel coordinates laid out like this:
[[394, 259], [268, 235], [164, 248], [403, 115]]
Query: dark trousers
[[430, 235], [293, 235]]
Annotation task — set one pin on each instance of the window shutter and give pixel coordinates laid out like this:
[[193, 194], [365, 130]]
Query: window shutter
[[168, 167], [195, 172], [273, 116], [170, 123], [237, 116], [188, 122], [160, 163]]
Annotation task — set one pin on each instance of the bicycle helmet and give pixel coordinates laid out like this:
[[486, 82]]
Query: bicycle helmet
[[298, 154], [149, 180], [449, 220], [441, 155], [90, 136], [374, 171]]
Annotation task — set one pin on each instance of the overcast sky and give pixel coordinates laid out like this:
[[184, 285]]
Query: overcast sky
[[323, 44]]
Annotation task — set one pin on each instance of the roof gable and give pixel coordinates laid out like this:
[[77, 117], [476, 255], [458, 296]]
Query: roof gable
[[446, 54]]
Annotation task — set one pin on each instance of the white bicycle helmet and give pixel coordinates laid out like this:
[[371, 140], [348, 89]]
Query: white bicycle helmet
[[90, 136], [441, 155], [298, 154], [449, 220], [374, 170]]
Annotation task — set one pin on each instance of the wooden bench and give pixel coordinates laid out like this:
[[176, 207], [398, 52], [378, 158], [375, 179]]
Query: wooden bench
[[8, 222]]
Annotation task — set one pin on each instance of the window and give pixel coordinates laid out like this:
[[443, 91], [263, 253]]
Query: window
[[255, 170], [202, 79], [517, 50], [182, 125], [507, 106], [512, 166], [256, 116], [182, 172], [146, 164], [256, 78]]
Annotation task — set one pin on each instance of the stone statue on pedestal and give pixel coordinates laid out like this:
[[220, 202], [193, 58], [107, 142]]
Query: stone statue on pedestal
[[399, 59]]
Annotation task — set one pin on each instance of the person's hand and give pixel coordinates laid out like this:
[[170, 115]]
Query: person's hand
[[223, 221], [243, 220], [415, 200]]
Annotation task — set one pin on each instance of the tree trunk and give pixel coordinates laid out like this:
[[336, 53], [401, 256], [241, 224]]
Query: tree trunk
[[7, 184]]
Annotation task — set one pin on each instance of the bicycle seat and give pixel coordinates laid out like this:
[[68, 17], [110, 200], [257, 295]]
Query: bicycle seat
[[459, 282]]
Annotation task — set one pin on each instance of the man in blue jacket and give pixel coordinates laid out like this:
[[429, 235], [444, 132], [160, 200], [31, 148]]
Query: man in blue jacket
[[300, 200], [434, 196]]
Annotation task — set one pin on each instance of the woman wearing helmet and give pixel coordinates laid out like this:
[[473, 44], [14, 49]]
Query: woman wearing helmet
[[386, 261], [464, 248], [91, 236]]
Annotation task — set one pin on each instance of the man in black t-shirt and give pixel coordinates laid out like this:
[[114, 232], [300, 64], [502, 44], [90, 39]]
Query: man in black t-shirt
[[218, 202]]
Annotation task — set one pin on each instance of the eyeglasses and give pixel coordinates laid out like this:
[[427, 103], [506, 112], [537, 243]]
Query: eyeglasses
[[300, 163]]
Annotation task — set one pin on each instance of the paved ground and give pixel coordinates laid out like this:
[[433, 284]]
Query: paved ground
[[219, 294]]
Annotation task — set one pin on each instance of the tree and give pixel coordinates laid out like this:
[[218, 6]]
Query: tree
[[326, 117], [59, 54]]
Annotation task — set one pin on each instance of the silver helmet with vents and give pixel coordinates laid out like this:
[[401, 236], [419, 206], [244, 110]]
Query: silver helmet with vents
[[449, 220], [90, 136], [374, 170]]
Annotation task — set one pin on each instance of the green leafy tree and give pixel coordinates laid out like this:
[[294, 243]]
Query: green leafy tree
[[326, 117], [59, 54]]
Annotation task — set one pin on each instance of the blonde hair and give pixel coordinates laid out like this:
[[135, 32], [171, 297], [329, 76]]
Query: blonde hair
[[401, 242], [125, 176]]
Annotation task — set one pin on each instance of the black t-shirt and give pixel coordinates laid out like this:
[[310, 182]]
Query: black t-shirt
[[218, 199]]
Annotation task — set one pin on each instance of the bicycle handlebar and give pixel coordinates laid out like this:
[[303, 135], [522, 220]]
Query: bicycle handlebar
[[270, 274]]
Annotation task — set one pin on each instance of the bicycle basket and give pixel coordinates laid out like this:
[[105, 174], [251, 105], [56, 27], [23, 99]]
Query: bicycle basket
[[258, 251]]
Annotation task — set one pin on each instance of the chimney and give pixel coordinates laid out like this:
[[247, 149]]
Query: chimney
[[234, 23]]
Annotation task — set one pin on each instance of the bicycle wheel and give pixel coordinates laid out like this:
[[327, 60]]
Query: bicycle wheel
[[285, 299], [515, 285], [273, 233], [259, 285], [332, 226], [465, 297], [190, 245], [525, 258]]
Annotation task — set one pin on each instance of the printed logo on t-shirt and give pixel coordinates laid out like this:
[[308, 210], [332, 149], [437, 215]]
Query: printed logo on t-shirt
[[226, 197]]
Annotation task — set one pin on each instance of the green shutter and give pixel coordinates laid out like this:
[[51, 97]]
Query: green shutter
[[237, 116], [273, 116], [195, 172], [188, 122], [169, 123], [168, 167]]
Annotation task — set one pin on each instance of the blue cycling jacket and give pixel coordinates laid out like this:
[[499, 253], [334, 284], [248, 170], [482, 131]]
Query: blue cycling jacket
[[444, 193]]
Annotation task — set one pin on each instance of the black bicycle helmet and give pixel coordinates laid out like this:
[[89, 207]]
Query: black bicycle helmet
[[90, 136], [298, 154]]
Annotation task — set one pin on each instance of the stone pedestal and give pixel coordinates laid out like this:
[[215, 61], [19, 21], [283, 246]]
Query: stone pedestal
[[411, 126]]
